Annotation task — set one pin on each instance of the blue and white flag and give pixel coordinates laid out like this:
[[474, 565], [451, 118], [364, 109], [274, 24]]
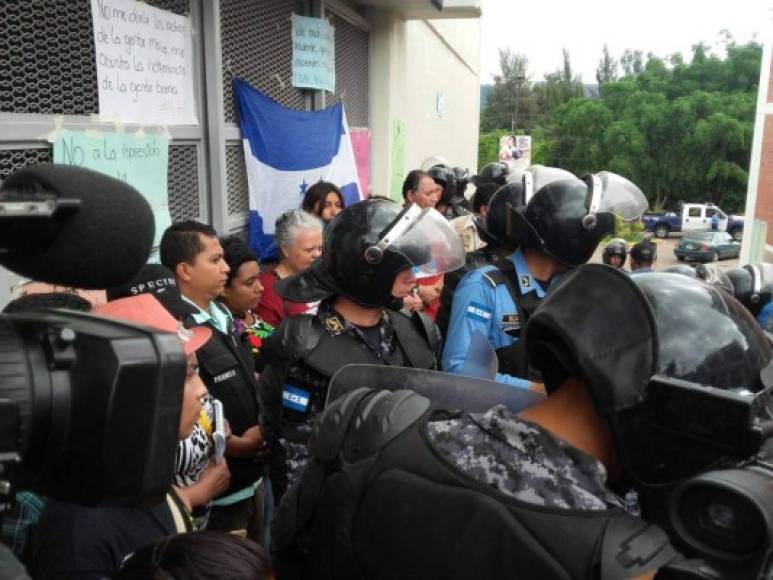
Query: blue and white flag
[[285, 152]]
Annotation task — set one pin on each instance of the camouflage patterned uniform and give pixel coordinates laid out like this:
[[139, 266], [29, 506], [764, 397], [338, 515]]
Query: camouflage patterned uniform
[[522, 460]]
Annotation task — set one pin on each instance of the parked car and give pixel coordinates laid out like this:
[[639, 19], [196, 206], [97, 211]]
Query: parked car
[[707, 246], [693, 217]]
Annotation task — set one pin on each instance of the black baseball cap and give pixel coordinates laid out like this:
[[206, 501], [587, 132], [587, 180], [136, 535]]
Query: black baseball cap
[[158, 280], [644, 251]]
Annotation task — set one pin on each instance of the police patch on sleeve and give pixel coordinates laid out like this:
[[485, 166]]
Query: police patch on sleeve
[[295, 398], [479, 312]]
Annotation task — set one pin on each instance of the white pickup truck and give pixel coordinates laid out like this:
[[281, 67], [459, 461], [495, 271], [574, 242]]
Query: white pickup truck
[[693, 217]]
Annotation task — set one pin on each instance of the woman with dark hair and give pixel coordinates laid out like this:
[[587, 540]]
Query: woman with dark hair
[[198, 556], [324, 200], [242, 293]]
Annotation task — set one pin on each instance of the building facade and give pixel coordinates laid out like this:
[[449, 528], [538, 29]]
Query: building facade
[[406, 70]]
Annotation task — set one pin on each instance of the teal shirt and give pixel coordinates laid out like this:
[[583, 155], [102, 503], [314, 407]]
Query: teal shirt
[[218, 316]]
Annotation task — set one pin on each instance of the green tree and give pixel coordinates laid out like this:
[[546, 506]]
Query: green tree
[[607, 69], [511, 102]]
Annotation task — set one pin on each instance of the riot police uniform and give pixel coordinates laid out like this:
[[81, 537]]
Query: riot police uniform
[[395, 482], [305, 351], [455, 205], [492, 229], [497, 300]]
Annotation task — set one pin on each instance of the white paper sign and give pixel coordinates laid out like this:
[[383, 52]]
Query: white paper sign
[[144, 64]]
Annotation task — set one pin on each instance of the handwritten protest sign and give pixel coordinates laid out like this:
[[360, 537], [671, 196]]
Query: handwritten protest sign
[[144, 64], [139, 160], [313, 53]]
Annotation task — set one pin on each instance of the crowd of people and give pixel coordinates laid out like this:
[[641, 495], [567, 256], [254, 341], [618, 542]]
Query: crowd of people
[[484, 278]]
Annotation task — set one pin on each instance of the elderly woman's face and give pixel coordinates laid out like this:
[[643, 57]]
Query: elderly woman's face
[[303, 250]]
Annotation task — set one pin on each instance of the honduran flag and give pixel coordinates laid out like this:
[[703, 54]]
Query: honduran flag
[[285, 152]]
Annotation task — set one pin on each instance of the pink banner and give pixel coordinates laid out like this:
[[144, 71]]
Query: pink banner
[[361, 146]]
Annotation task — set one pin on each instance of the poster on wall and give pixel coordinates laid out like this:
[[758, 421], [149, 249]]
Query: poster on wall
[[313, 53], [361, 147], [139, 160], [144, 61], [515, 150]]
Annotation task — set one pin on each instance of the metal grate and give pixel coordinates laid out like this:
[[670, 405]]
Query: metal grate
[[13, 159], [47, 62], [183, 182], [257, 48], [236, 180], [352, 45]]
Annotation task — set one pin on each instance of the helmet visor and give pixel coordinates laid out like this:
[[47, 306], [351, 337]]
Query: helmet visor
[[542, 175], [426, 240], [618, 196]]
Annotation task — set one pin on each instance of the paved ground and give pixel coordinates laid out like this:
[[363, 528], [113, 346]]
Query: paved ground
[[666, 256]]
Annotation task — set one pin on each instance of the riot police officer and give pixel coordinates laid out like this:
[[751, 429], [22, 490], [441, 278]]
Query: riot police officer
[[752, 284], [494, 172], [639, 417], [615, 253], [451, 204], [373, 253], [558, 229]]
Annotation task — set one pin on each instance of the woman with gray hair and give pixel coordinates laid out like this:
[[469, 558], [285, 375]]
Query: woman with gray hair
[[299, 236]]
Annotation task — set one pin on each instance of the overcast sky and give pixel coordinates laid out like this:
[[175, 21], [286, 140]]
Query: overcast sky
[[540, 28]]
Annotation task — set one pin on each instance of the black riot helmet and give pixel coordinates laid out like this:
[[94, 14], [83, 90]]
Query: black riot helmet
[[493, 227], [445, 178], [679, 368], [752, 284], [495, 172], [367, 245], [566, 219], [616, 247], [462, 180]]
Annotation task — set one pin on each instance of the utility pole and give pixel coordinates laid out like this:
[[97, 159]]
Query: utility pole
[[514, 116]]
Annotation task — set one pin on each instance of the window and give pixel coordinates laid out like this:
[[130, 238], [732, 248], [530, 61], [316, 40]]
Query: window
[[694, 212]]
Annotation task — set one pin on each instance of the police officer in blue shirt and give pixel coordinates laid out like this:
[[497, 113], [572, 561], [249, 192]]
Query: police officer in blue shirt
[[558, 229]]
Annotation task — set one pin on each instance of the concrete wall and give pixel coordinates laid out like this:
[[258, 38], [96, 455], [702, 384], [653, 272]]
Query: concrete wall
[[425, 95]]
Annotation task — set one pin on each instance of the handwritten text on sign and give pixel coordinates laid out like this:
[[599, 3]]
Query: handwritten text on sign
[[313, 53], [144, 64], [139, 160]]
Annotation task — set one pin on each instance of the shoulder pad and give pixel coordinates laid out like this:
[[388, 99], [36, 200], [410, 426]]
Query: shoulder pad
[[294, 338], [379, 419], [632, 547], [330, 428], [494, 276]]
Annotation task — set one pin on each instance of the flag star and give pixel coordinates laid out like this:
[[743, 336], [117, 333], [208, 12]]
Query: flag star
[[304, 186]]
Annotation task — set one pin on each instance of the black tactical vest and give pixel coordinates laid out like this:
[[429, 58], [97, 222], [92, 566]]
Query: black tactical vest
[[378, 502]]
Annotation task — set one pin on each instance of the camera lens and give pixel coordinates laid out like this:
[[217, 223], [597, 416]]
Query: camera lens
[[724, 514], [722, 517]]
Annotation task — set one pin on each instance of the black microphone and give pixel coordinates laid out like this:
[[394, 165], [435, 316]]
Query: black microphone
[[73, 227]]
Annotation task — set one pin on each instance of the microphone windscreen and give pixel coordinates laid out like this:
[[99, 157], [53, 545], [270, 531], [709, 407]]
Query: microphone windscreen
[[102, 243]]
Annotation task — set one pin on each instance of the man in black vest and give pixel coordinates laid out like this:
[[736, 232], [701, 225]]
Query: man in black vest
[[192, 251], [638, 419], [373, 253]]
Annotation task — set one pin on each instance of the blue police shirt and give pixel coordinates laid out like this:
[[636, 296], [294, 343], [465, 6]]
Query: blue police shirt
[[764, 316], [479, 305]]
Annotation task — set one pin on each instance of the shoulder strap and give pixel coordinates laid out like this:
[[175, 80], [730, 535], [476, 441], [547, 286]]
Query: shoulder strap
[[630, 547], [507, 270], [416, 339]]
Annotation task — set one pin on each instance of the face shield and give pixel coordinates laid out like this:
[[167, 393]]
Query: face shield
[[538, 176], [424, 238], [615, 194]]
